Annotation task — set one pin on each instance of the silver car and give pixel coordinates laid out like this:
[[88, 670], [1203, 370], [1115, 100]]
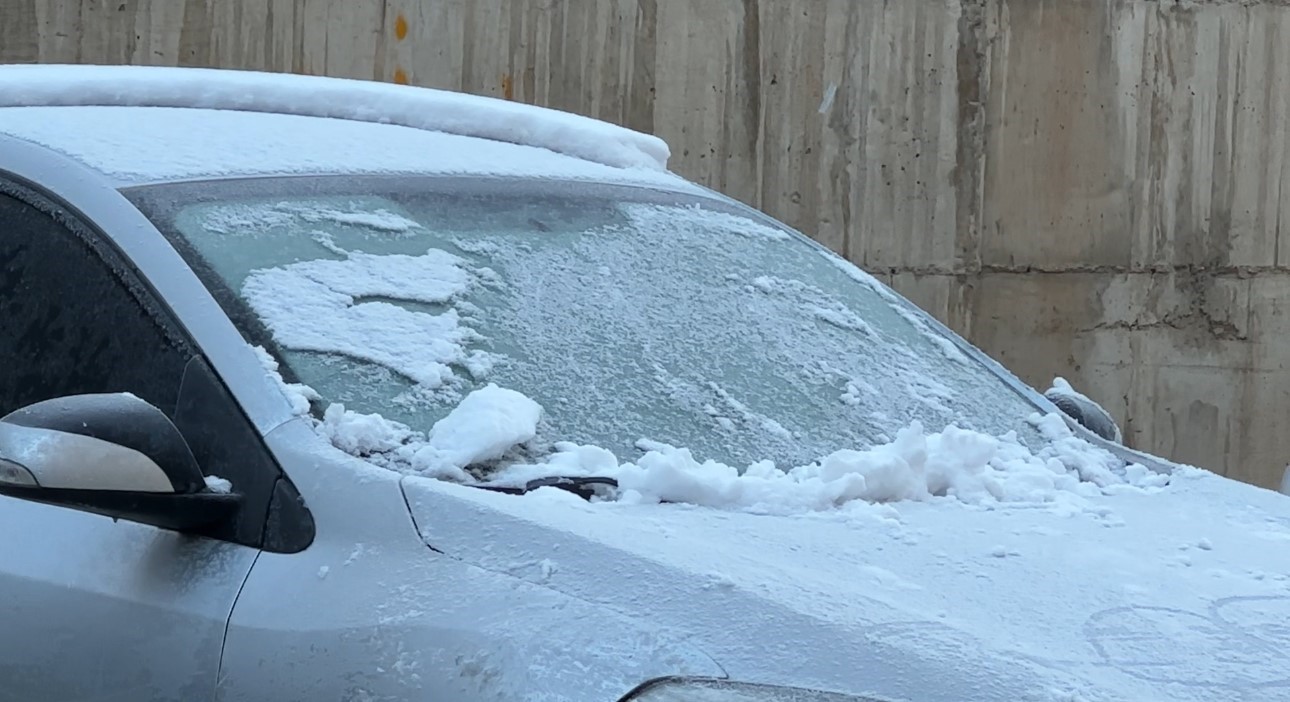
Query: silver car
[[243, 319]]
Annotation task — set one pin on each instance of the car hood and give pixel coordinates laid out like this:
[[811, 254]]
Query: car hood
[[1178, 592]]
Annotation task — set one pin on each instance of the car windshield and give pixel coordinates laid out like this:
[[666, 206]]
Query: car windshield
[[628, 314]]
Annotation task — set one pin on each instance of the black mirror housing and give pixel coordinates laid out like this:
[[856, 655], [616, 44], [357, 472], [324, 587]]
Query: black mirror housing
[[109, 454], [123, 420]]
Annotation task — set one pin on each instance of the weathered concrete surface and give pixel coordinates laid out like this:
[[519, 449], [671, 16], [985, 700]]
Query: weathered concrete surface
[[1086, 188], [1136, 152]]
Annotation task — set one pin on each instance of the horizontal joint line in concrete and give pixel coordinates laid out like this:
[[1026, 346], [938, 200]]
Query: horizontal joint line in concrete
[[1185, 269]]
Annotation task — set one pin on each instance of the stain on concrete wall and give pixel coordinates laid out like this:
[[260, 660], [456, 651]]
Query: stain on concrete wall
[[1088, 188]]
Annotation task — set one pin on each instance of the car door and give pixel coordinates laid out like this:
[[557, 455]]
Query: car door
[[92, 608]]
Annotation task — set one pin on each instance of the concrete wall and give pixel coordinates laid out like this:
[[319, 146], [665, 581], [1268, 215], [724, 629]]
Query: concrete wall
[[1095, 189]]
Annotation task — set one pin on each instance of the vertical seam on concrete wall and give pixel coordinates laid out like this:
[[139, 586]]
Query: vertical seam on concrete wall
[[969, 168], [298, 38], [645, 61], [382, 41], [759, 188], [752, 71]]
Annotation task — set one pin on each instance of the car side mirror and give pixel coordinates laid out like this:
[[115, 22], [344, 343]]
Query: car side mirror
[[109, 454], [1083, 410]]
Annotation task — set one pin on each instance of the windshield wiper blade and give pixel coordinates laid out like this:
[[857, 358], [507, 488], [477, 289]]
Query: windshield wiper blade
[[582, 486]]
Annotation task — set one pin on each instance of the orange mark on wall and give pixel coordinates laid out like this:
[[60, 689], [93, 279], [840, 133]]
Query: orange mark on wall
[[400, 33], [508, 87]]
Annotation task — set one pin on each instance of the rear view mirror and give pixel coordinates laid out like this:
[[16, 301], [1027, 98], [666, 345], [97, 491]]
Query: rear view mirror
[[1083, 410], [110, 454]]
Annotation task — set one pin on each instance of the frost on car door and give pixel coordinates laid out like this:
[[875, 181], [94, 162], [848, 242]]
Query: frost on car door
[[97, 609]]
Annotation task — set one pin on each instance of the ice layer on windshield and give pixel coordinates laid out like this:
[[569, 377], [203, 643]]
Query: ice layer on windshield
[[690, 362]]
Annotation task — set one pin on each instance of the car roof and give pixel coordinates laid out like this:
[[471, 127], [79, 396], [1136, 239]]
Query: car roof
[[138, 124]]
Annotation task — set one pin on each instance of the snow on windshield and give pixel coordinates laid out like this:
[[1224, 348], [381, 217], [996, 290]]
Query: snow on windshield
[[693, 354], [676, 323], [918, 465], [233, 219], [320, 306]]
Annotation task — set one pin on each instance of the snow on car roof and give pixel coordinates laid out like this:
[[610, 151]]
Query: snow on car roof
[[151, 144], [315, 96]]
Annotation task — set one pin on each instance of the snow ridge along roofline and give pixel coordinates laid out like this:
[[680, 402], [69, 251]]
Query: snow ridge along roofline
[[50, 85]]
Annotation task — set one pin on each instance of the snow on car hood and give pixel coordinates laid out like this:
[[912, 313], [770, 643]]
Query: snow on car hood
[[947, 565], [1167, 589]]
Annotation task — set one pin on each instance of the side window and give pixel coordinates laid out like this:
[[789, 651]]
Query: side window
[[71, 324], [75, 319]]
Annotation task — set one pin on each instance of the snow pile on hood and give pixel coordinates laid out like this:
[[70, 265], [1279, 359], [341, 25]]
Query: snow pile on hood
[[960, 464], [482, 428], [487, 424], [493, 423]]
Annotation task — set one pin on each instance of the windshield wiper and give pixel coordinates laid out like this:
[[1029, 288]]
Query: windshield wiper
[[582, 486]]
